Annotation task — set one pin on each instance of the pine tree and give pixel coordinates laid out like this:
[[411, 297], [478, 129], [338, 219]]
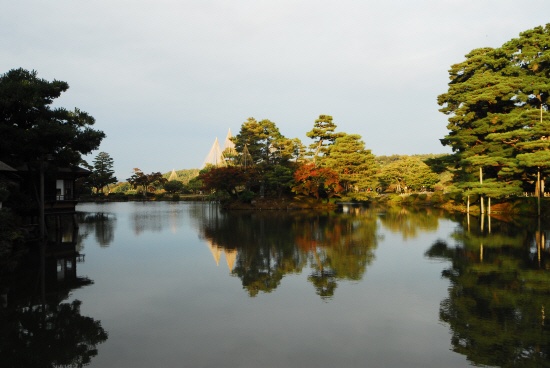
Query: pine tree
[[354, 164], [260, 139], [102, 174], [492, 101], [323, 133]]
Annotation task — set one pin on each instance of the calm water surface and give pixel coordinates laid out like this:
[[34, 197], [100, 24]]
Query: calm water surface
[[187, 285]]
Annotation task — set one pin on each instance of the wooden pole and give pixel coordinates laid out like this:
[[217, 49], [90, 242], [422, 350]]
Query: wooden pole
[[482, 206], [481, 182], [538, 240], [538, 191], [481, 253]]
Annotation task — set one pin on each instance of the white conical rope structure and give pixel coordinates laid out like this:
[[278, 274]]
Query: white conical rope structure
[[173, 175], [228, 145], [245, 160], [215, 156]]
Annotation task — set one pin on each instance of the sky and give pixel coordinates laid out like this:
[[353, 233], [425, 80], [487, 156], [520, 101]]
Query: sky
[[164, 78]]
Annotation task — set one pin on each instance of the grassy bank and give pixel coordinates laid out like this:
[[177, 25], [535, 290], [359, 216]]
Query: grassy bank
[[284, 203], [524, 206]]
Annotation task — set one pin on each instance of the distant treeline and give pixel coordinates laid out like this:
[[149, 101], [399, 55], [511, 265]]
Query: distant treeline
[[386, 160], [183, 175]]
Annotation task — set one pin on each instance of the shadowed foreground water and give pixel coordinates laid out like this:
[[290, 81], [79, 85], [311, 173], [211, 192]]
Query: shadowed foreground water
[[185, 284]]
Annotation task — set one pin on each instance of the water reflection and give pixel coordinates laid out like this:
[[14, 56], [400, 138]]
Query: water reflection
[[101, 224], [262, 247], [37, 327], [499, 293], [154, 217], [410, 222]]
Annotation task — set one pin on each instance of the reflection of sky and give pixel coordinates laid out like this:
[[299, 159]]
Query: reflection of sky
[[165, 303]]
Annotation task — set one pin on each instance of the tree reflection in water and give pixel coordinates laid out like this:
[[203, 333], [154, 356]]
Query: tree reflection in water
[[499, 293], [37, 329], [409, 221], [101, 224], [269, 245], [50, 335]]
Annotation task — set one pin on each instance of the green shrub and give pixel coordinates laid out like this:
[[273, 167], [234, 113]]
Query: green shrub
[[149, 194], [362, 196], [175, 197], [407, 199], [159, 196], [437, 197], [453, 196], [422, 197], [246, 196], [395, 198], [525, 205]]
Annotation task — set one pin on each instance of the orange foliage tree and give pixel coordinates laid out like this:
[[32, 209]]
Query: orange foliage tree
[[226, 179], [314, 181]]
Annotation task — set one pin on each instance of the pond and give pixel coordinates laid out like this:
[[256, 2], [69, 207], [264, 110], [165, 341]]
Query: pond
[[163, 284]]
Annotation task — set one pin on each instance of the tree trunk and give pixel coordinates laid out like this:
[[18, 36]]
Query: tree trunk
[[42, 219], [468, 205]]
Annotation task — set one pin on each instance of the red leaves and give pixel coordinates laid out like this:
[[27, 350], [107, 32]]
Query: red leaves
[[226, 178], [311, 180]]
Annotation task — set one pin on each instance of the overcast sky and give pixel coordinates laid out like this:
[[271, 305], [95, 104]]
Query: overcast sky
[[164, 78]]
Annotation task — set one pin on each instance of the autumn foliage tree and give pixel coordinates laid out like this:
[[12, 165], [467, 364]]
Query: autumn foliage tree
[[148, 181], [316, 181], [226, 179]]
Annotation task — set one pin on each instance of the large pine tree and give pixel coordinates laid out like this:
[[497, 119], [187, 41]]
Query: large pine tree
[[492, 99], [354, 164]]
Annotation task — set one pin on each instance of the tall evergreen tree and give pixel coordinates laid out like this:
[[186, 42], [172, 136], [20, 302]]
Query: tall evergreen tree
[[31, 128], [492, 101], [354, 164], [103, 173], [530, 54], [324, 136], [260, 139]]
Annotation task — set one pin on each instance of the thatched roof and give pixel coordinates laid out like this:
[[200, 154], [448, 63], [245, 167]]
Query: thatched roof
[[4, 167]]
